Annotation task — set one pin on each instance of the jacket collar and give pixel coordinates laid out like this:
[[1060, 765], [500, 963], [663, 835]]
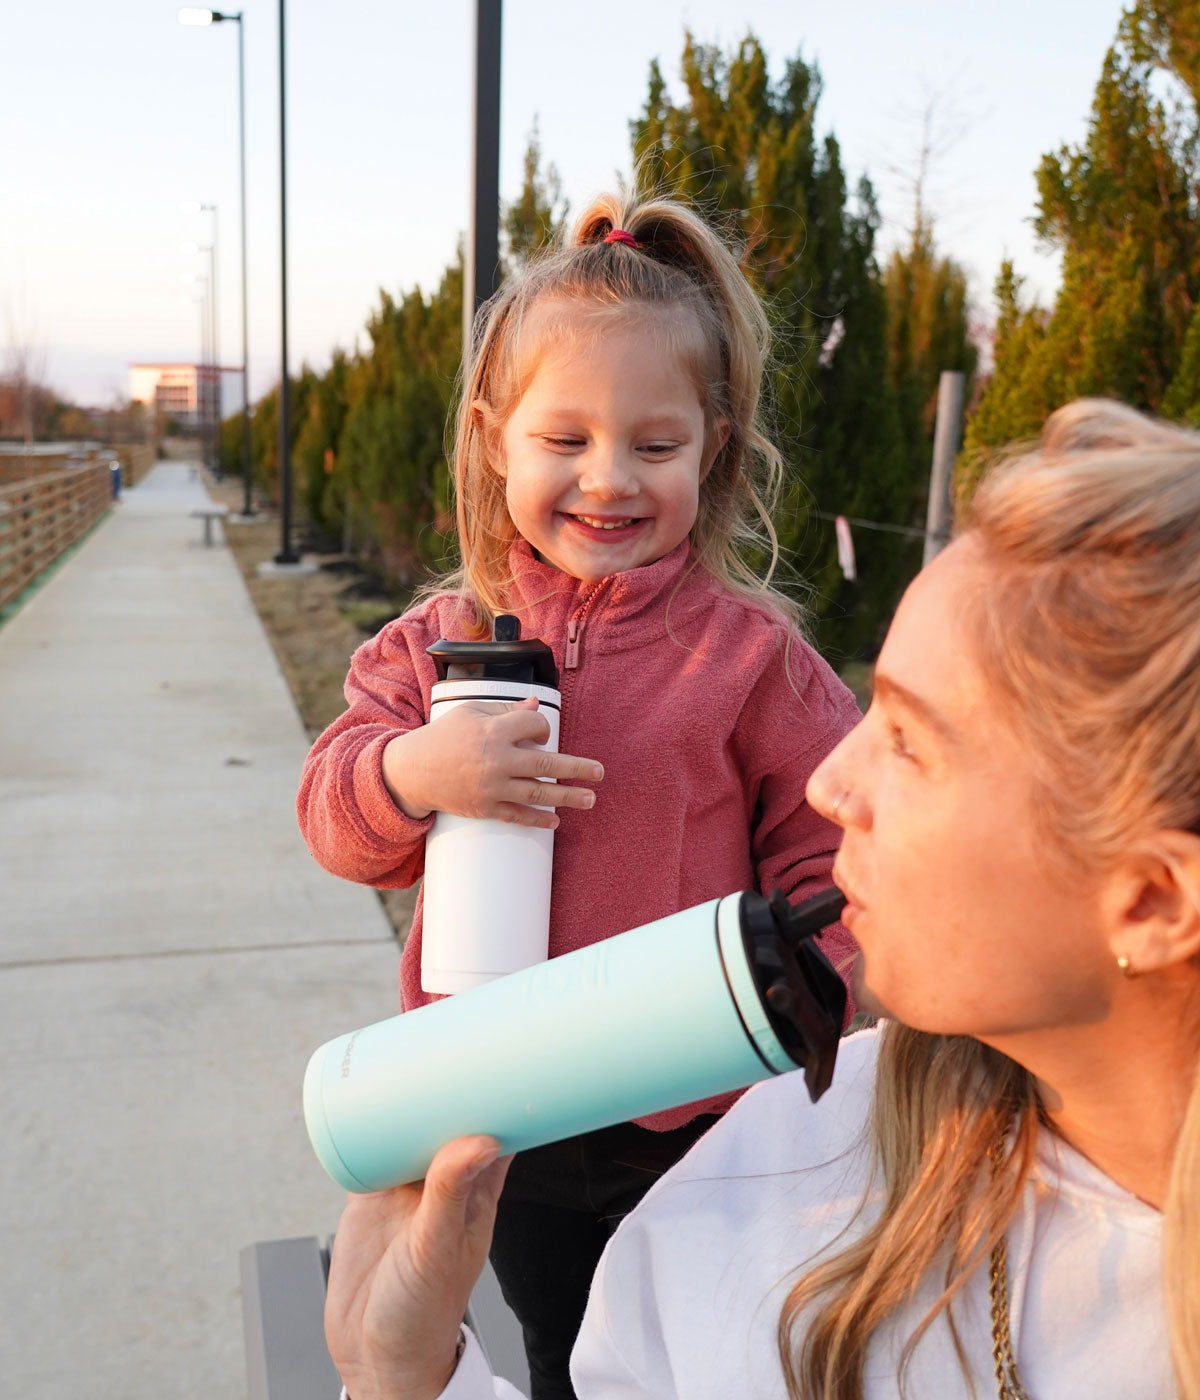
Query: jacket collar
[[627, 606]]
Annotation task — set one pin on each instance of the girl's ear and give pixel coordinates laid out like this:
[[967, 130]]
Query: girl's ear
[[1157, 903], [483, 420], [716, 438]]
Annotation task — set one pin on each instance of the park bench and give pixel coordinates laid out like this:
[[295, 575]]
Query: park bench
[[209, 512], [283, 1306]]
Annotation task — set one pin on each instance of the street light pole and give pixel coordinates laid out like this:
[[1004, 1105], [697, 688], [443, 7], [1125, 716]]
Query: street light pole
[[211, 367], [286, 554], [194, 16], [201, 375], [213, 427], [247, 502], [483, 243], [216, 349]]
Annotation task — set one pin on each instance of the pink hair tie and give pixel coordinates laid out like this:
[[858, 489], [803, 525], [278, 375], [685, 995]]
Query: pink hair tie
[[618, 235]]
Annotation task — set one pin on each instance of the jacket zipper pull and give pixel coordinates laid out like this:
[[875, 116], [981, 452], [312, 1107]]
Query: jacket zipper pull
[[571, 655]]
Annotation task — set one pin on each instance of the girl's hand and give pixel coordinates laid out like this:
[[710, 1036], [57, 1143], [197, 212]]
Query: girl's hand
[[480, 760], [404, 1263]]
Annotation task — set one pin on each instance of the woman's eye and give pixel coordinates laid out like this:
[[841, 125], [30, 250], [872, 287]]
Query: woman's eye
[[899, 742]]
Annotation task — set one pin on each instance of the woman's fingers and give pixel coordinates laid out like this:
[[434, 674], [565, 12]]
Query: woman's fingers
[[404, 1263], [454, 1175], [458, 1204]]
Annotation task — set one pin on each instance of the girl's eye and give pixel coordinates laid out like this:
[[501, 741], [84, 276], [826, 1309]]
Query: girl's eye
[[660, 449], [563, 441]]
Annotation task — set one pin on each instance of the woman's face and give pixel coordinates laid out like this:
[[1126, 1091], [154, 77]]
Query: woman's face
[[970, 918]]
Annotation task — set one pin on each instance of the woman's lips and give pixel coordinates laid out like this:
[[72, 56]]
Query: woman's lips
[[853, 907]]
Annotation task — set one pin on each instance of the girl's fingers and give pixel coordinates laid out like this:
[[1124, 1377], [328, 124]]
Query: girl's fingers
[[520, 722], [530, 791], [562, 767], [520, 815], [527, 729]]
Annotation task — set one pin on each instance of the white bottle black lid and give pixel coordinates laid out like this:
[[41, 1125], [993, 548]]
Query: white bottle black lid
[[506, 657]]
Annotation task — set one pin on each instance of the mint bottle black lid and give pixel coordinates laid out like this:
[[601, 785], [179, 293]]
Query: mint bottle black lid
[[803, 997], [505, 658]]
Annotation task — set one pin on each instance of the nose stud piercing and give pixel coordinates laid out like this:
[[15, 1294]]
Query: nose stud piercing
[[833, 811]]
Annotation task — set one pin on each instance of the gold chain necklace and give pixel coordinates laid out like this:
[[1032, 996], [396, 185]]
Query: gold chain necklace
[[1008, 1378]]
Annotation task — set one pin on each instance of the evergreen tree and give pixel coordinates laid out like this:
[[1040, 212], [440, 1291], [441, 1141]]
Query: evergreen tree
[[315, 459], [1122, 209], [745, 150], [927, 333], [1171, 29], [392, 443], [538, 214]]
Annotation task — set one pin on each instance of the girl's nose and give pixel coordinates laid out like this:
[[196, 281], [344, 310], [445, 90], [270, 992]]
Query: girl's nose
[[607, 477]]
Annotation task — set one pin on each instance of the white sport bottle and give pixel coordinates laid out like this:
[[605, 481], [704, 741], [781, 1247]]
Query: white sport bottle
[[487, 882]]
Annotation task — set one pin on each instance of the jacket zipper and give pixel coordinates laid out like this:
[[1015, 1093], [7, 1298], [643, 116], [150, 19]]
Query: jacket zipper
[[575, 626]]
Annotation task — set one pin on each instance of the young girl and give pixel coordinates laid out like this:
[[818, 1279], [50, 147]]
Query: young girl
[[609, 470]]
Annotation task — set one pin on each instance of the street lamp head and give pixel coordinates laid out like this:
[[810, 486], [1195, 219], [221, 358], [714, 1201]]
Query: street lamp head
[[190, 15]]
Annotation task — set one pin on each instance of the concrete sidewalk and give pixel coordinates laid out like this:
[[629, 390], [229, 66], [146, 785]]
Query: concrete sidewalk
[[169, 957]]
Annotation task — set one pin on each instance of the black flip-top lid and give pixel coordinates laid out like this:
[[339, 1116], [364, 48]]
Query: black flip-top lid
[[803, 997], [506, 657]]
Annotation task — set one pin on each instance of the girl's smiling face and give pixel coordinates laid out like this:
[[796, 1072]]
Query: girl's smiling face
[[970, 916], [603, 456]]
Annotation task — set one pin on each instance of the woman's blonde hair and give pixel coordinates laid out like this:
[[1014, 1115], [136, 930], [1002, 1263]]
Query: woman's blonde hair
[[1090, 634], [684, 275]]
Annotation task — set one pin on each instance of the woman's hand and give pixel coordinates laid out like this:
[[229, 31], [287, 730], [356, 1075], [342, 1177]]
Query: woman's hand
[[481, 760], [404, 1263]]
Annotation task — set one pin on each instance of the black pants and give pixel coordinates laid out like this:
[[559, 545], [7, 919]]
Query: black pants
[[559, 1206]]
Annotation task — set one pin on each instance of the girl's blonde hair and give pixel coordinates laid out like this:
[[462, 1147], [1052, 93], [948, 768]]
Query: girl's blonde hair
[[1090, 635], [684, 275]]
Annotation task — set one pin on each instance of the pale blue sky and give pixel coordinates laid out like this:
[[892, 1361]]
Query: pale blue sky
[[111, 113]]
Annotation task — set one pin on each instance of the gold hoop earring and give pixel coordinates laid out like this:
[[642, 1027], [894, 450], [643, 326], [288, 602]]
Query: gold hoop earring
[[1126, 967]]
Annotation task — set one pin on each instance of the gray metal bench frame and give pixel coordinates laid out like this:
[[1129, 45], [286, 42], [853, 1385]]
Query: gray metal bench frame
[[208, 514], [283, 1308]]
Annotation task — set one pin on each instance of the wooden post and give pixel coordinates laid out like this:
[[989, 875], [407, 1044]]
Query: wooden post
[[947, 436]]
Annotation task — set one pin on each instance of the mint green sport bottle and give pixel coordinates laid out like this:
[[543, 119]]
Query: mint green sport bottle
[[706, 1001]]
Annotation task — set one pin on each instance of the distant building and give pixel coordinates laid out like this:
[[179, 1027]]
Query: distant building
[[187, 393]]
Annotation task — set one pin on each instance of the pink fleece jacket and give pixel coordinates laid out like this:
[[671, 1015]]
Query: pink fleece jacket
[[677, 686]]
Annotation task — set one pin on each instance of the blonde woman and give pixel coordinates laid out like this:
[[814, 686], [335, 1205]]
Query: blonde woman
[[1000, 1195]]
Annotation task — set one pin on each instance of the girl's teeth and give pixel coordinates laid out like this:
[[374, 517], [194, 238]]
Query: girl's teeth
[[605, 524]]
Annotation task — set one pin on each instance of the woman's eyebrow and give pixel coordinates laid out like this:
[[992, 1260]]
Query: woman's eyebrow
[[891, 690]]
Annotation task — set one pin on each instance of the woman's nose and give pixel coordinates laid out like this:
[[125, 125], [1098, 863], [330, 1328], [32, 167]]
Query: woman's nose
[[832, 788]]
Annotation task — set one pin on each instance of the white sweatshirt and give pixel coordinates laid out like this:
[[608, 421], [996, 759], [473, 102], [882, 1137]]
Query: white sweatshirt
[[688, 1294]]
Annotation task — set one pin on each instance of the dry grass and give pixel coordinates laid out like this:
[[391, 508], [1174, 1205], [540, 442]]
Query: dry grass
[[314, 622]]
